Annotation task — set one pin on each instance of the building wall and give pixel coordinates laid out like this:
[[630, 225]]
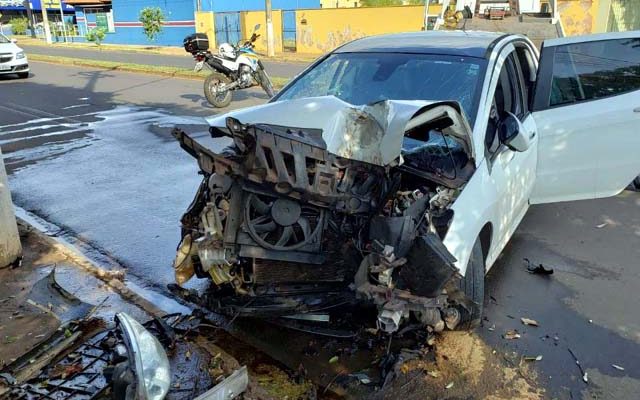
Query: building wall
[[339, 3], [320, 31], [179, 21], [578, 16], [255, 5], [10, 248], [249, 19]]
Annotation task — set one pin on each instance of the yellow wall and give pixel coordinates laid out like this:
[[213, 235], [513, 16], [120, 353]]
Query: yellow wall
[[205, 24], [249, 19], [578, 16], [322, 30]]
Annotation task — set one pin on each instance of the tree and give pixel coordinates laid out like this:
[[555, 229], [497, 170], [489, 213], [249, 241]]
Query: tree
[[152, 19], [380, 3], [19, 25], [96, 35]]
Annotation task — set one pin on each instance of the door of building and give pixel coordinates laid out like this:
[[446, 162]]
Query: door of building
[[289, 30], [227, 28]]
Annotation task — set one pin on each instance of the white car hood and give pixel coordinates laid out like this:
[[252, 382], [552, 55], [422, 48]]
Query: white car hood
[[9, 48], [371, 133]]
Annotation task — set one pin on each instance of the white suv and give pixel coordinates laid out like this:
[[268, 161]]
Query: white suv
[[12, 58]]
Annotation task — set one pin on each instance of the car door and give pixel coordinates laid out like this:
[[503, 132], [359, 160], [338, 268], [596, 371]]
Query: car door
[[513, 172], [587, 111]]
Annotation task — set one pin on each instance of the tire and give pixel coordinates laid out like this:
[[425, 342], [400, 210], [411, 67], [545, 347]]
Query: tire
[[215, 99], [472, 284], [23, 75], [265, 82], [636, 184]]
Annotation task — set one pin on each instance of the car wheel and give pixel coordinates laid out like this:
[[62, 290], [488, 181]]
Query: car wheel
[[23, 75], [636, 183], [472, 284]]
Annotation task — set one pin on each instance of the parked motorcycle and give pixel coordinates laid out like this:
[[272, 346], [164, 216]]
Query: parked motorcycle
[[234, 67]]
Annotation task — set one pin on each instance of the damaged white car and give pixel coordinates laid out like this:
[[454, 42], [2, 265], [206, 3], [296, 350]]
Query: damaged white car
[[394, 170]]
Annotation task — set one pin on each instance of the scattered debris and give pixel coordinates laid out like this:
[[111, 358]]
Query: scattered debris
[[539, 270], [449, 385], [528, 321], [533, 358], [602, 225], [585, 377], [433, 374], [334, 359], [591, 321], [230, 388], [362, 378], [619, 368], [492, 328], [511, 334]]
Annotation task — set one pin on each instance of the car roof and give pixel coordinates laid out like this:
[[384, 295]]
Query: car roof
[[455, 43]]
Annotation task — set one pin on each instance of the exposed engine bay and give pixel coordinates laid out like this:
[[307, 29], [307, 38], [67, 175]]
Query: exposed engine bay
[[285, 224]]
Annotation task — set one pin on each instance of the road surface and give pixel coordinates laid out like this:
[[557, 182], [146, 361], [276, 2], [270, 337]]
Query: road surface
[[90, 151], [274, 68]]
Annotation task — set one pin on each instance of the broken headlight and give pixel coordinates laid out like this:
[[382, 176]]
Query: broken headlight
[[148, 358]]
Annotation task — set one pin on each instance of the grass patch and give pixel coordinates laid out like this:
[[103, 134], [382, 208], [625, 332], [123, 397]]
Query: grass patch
[[278, 82]]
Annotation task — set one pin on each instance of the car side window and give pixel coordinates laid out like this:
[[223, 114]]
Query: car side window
[[594, 70], [507, 98]]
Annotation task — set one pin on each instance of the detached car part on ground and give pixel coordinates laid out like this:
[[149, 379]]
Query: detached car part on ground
[[84, 361], [290, 221]]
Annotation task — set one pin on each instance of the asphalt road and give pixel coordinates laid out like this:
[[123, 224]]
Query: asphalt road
[[90, 151], [280, 69]]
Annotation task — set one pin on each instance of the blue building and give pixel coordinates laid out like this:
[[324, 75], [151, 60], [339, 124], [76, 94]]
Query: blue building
[[119, 18]]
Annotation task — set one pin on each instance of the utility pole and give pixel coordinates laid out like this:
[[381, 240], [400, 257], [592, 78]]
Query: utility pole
[[271, 51], [64, 27], [45, 22], [32, 27]]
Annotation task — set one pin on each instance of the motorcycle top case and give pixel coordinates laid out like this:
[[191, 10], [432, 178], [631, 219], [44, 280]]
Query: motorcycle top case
[[196, 42]]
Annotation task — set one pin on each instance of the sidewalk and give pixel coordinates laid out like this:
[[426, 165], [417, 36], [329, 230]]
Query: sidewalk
[[282, 66]]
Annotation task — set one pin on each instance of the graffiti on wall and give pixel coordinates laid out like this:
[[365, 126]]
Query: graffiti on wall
[[577, 16], [332, 40]]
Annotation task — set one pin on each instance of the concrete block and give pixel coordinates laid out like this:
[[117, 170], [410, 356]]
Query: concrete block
[[10, 248]]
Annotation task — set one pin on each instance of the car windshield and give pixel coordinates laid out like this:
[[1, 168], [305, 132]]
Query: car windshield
[[4, 39], [364, 78]]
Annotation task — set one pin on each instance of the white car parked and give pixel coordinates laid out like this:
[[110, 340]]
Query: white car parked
[[13, 60], [397, 162]]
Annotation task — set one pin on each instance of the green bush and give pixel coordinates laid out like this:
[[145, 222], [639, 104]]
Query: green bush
[[96, 36], [152, 19], [19, 25]]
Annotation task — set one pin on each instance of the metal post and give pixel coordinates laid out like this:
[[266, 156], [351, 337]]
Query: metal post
[[271, 51], [32, 27], [64, 27], [45, 22]]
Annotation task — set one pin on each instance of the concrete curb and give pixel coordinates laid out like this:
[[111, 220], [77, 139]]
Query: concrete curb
[[114, 279]]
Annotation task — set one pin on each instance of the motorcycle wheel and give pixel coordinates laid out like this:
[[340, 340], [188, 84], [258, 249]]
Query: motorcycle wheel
[[265, 82], [211, 85]]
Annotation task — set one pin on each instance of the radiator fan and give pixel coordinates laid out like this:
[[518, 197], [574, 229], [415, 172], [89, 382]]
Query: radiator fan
[[281, 224]]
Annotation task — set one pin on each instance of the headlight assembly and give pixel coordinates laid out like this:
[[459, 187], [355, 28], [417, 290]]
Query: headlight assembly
[[147, 357], [19, 55]]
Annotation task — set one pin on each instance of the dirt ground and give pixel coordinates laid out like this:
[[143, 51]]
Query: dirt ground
[[463, 367]]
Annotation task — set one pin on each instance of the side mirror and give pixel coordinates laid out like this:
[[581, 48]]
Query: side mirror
[[512, 134], [14, 41], [255, 28]]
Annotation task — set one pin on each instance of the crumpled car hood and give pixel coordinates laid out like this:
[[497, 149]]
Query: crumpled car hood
[[371, 133]]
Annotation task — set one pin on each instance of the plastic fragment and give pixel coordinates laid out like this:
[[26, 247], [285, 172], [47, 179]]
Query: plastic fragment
[[334, 359], [533, 358], [512, 334], [449, 385], [540, 269], [528, 321], [602, 225], [619, 368]]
